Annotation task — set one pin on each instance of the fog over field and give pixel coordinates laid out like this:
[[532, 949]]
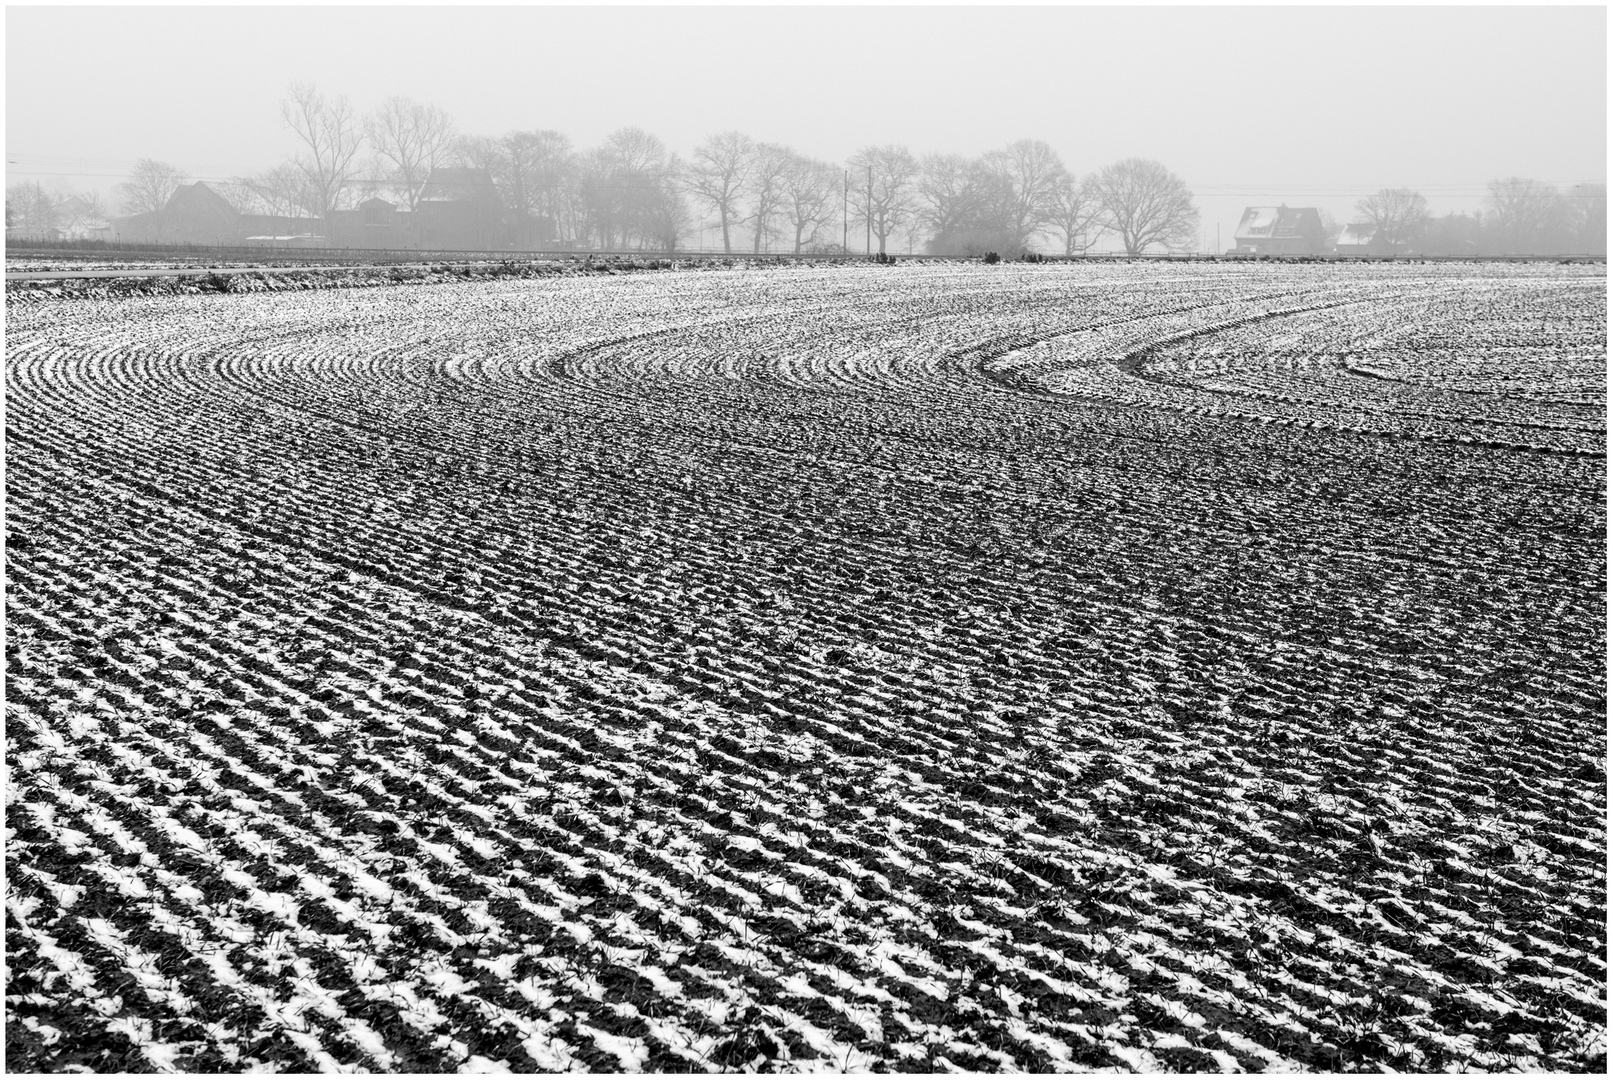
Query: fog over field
[[1253, 106]]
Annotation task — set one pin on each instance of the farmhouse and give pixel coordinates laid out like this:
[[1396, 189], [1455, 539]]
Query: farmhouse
[[80, 219], [1362, 239], [373, 223], [37, 214], [200, 214], [194, 214], [1280, 230], [460, 208]]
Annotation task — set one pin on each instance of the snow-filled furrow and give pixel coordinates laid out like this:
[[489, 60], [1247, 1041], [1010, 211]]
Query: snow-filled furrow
[[734, 668]]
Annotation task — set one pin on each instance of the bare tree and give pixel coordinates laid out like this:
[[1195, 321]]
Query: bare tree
[[637, 151], [1453, 234], [622, 187], [888, 195], [1395, 214], [571, 212], [83, 212], [949, 193], [149, 187], [717, 176], [330, 133], [1524, 212], [535, 168], [595, 211], [811, 195], [967, 205], [770, 163], [1330, 229], [666, 217], [1587, 218], [281, 192], [1146, 204], [641, 168], [477, 152], [1026, 176], [242, 194], [31, 206], [414, 138], [1075, 212], [914, 232]]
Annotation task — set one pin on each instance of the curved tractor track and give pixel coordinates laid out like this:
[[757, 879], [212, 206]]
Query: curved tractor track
[[927, 667]]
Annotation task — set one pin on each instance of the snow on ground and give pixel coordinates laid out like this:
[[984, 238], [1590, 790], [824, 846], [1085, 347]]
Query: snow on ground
[[929, 667]]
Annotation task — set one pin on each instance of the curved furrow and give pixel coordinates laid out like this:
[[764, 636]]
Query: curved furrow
[[789, 668]]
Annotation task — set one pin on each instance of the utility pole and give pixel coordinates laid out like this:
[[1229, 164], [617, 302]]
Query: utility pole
[[845, 214], [868, 218]]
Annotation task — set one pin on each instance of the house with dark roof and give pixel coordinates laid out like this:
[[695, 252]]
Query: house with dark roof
[[373, 223], [194, 214], [459, 209], [1280, 230], [1362, 240], [200, 214]]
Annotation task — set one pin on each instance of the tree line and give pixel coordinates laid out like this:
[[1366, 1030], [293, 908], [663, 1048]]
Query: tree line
[[633, 191], [1518, 216]]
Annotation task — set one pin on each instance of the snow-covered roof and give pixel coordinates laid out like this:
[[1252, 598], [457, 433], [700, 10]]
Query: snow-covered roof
[[458, 185], [1257, 221], [1358, 233], [1267, 222]]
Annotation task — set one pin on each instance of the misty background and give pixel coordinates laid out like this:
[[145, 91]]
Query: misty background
[[1308, 107]]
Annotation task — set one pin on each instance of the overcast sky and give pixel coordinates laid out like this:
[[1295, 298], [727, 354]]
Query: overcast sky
[[1308, 105]]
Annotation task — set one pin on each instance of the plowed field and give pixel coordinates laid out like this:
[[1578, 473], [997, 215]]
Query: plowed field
[[1155, 667]]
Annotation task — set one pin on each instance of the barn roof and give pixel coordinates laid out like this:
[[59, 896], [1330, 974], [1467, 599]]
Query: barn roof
[[1274, 222], [459, 185], [199, 194], [73, 205]]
